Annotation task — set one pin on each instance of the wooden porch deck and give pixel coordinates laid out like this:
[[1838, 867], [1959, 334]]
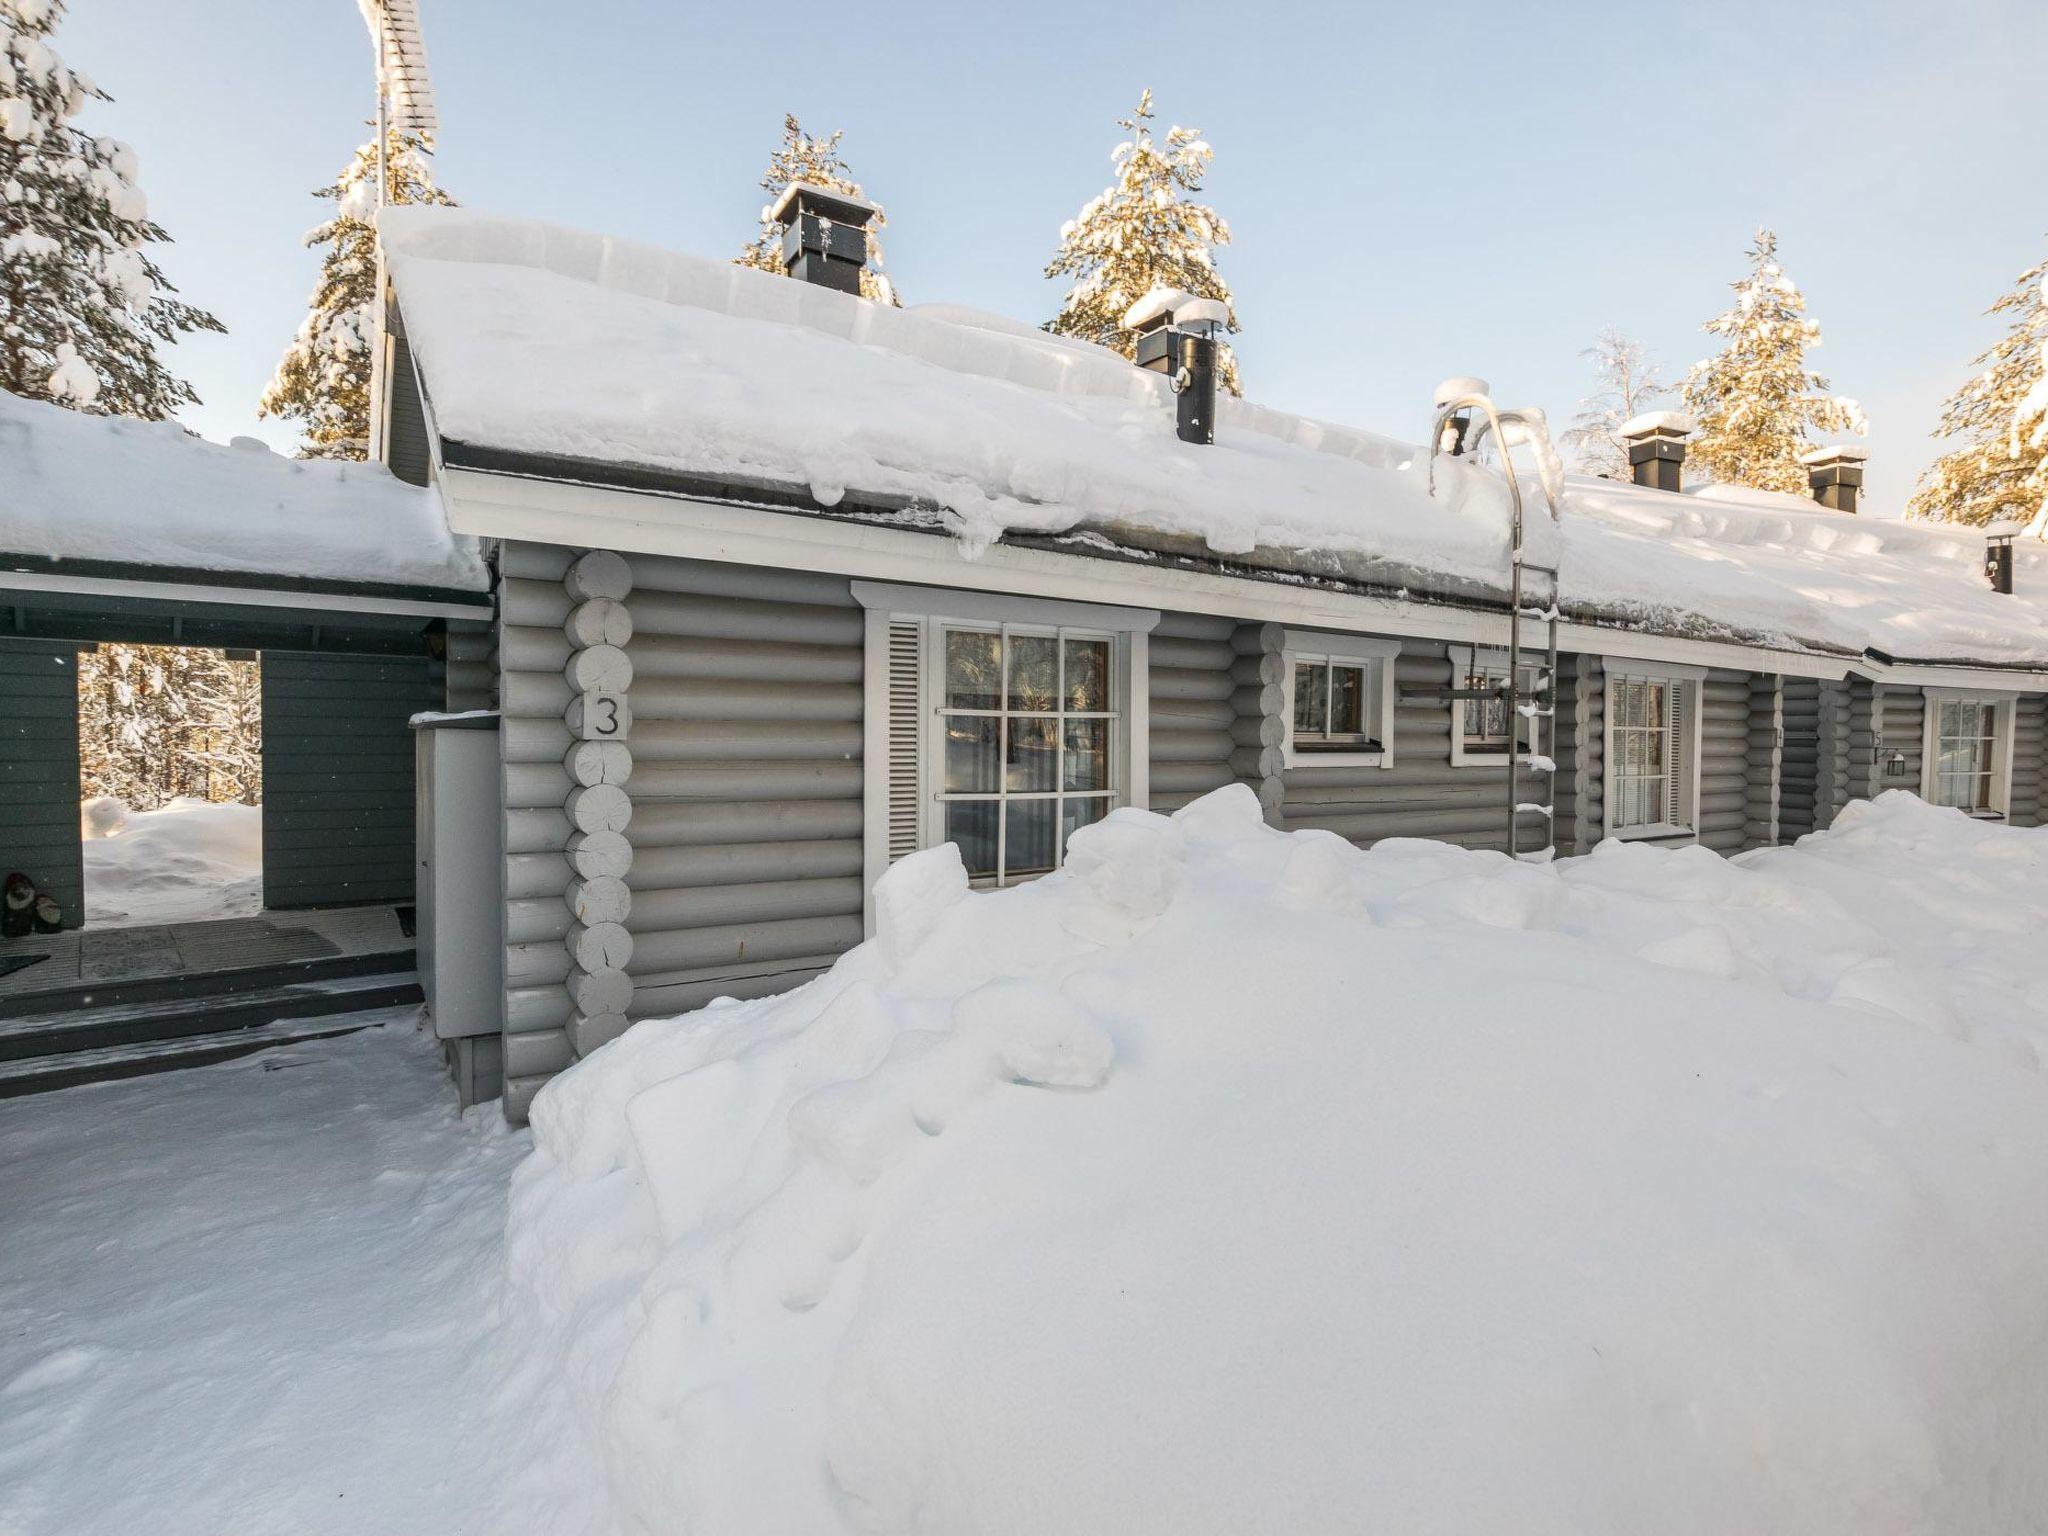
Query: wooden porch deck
[[88, 956]]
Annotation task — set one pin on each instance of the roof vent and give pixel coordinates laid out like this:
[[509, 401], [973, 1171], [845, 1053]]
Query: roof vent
[[1656, 448], [1176, 335], [1836, 476], [824, 235]]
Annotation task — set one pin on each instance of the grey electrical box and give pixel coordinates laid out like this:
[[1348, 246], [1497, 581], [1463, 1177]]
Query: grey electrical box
[[460, 868]]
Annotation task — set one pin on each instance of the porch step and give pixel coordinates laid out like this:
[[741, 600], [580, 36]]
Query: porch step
[[72, 1069], [55, 1028], [30, 1002]]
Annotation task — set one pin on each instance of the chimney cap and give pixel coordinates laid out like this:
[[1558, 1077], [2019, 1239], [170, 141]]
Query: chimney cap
[[829, 202], [1459, 384], [1835, 453], [1201, 312], [1160, 304], [1656, 423]]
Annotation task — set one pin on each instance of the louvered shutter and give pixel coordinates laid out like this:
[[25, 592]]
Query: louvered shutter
[[1676, 745], [906, 746]]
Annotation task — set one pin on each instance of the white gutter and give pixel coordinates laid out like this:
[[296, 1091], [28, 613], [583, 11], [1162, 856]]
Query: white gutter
[[243, 597]]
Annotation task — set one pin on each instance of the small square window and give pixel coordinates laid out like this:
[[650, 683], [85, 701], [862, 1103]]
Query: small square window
[[1338, 706]]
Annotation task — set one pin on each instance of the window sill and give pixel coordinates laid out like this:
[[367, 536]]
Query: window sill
[[1464, 757], [1296, 758], [1661, 833]]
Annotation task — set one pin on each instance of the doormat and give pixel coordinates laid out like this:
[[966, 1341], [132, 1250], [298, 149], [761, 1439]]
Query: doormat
[[9, 964], [129, 954]]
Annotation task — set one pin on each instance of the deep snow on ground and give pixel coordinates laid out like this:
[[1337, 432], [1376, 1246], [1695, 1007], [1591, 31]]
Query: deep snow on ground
[[1225, 1182], [185, 862], [250, 1298], [1232, 1181]]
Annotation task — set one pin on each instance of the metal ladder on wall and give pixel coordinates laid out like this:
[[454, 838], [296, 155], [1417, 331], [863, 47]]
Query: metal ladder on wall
[[1540, 702]]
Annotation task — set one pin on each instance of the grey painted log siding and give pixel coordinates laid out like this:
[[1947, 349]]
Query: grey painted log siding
[[1581, 751], [1814, 778], [2029, 774], [747, 784], [1902, 727], [1724, 761], [39, 769], [531, 652], [1764, 760], [1192, 716]]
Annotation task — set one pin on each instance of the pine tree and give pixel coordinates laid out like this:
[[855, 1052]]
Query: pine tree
[[802, 158], [1631, 383], [159, 721], [82, 305], [1756, 401], [1142, 233], [323, 380], [2001, 470]]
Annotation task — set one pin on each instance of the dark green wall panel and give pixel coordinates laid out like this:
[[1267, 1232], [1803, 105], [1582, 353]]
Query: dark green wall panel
[[338, 776]]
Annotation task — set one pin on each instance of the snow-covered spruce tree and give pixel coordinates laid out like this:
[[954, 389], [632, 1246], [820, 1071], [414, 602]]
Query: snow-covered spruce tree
[[159, 721], [1630, 384], [82, 305], [1142, 233], [2001, 469], [802, 158], [323, 379], [1756, 402]]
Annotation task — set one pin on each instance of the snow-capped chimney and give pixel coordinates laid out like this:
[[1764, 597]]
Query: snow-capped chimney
[[1656, 449], [1836, 476], [824, 235], [1177, 337]]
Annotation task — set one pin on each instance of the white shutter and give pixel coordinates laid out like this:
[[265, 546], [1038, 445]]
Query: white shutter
[[905, 749]]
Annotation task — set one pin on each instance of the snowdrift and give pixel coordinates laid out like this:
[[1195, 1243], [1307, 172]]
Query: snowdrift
[[187, 861], [1232, 1180]]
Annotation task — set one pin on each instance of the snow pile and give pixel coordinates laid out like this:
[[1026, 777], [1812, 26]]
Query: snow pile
[[1233, 1180], [539, 339], [187, 862], [108, 488]]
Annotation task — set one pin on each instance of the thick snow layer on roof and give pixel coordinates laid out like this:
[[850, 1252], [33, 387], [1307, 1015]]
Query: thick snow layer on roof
[[77, 487], [545, 340], [1233, 1180]]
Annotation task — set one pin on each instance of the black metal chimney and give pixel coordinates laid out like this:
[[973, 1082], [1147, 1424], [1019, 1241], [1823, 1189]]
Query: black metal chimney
[[1998, 562], [824, 235], [1835, 475], [1656, 449], [1177, 337]]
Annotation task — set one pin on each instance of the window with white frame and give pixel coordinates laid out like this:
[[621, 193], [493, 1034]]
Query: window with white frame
[[1480, 728], [1966, 761], [1651, 774], [999, 724], [1027, 742], [1339, 699]]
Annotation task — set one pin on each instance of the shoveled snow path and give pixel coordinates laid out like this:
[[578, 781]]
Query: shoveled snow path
[[250, 1297]]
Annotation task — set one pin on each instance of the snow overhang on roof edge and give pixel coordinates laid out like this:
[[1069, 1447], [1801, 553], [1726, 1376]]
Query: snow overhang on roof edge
[[1142, 551]]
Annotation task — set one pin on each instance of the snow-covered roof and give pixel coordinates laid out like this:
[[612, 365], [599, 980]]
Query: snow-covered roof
[[76, 487], [535, 339]]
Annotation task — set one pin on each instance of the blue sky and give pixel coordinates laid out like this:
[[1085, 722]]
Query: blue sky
[[1416, 190]]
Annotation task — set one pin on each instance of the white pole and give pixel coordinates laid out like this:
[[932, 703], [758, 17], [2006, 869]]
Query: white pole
[[383, 119]]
